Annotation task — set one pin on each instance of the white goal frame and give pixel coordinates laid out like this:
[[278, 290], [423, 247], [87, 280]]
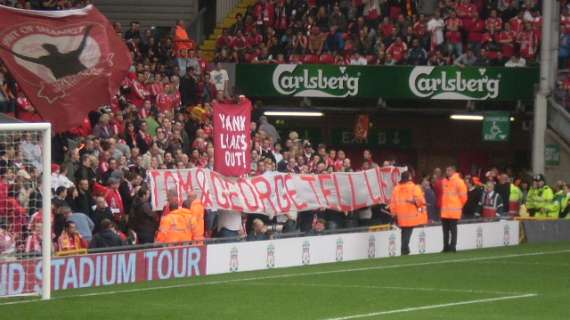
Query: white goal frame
[[45, 129]]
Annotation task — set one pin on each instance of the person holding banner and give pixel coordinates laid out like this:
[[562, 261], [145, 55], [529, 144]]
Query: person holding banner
[[408, 207]]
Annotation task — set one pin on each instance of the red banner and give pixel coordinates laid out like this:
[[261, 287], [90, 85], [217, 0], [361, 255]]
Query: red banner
[[96, 270], [66, 62], [232, 138]]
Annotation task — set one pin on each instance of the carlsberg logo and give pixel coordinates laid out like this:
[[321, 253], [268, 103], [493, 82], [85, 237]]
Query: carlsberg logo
[[453, 84], [315, 81]]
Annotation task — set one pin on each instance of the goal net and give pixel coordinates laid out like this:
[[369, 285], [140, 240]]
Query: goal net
[[25, 209]]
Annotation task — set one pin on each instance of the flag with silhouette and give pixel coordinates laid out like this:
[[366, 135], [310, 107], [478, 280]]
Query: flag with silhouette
[[66, 62]]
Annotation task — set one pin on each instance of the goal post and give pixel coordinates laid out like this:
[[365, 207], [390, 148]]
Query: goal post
[[25, 164]]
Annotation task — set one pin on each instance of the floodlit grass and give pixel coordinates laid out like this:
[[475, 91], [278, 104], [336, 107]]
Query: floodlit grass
[[524, 282]]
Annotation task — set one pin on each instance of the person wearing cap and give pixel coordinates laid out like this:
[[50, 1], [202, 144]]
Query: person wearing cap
[[544, 199], [453, 199], [408, 207], [58, 179]]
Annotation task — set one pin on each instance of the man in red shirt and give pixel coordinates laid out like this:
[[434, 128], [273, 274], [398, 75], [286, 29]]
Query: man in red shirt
[[387, 29], [465, 10], [453, 35], [475, 28], [114, 199], [517, 23], [420, 31], [398, 50], [494, 21], [506, 38], [528, 42]]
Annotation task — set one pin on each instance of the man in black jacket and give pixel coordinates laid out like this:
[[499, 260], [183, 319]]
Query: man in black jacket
[[85, 171], [141, 217], [101, 213], [107, 237], [84, 201]]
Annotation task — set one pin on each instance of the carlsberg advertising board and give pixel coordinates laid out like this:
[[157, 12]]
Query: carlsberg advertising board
[[390, 82]]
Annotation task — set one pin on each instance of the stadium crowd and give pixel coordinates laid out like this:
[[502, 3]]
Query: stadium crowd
[[161, 119], [387, 32]]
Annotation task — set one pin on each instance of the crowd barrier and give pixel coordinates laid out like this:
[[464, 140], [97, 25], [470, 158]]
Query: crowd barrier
[[545, 230], [103, 269]]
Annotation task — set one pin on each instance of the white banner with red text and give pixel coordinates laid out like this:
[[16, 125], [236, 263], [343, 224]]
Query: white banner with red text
[[277, 193]]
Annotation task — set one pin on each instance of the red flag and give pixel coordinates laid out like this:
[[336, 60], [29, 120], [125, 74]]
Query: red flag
[[67, 62], [361, 127], [232, 138]]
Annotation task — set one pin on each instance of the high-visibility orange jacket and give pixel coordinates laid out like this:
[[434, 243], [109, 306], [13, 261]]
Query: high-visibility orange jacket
[[181, 40], [408, 205], [197, 218], [176, 226], [454, 197]]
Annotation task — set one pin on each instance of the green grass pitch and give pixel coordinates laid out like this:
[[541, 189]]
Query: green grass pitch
[[524, 282]]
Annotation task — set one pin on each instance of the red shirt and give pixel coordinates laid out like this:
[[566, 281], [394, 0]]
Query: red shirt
[[517, 25], [115, 202], [164, 102], [453, 23], [420, 29], [496, 22], [453, 37], [398, 51], [475, 28], [506, 48], [137, 94], [528, 44], [388, 29]]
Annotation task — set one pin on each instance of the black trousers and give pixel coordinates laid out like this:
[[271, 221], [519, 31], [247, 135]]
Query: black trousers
[[449, 234], [406, 235]]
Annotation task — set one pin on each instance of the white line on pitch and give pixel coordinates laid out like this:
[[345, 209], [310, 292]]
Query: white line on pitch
[[433, 306], [295, 274], [342, 286]]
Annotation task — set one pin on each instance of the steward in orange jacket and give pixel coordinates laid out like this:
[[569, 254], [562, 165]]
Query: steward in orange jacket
[[408, 206], [176, 226], [196, 213], [453, 199]]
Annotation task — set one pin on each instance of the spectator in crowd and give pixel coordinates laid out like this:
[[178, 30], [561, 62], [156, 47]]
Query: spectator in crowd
[[107, 237], [466, 59], [260, 231], [220, 79], [58, 178], [474, 194], [516, 61], [431, 200], [83, 200], [491, 203], [83, 224], [101, 212], [142, 219], [70, 239]]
